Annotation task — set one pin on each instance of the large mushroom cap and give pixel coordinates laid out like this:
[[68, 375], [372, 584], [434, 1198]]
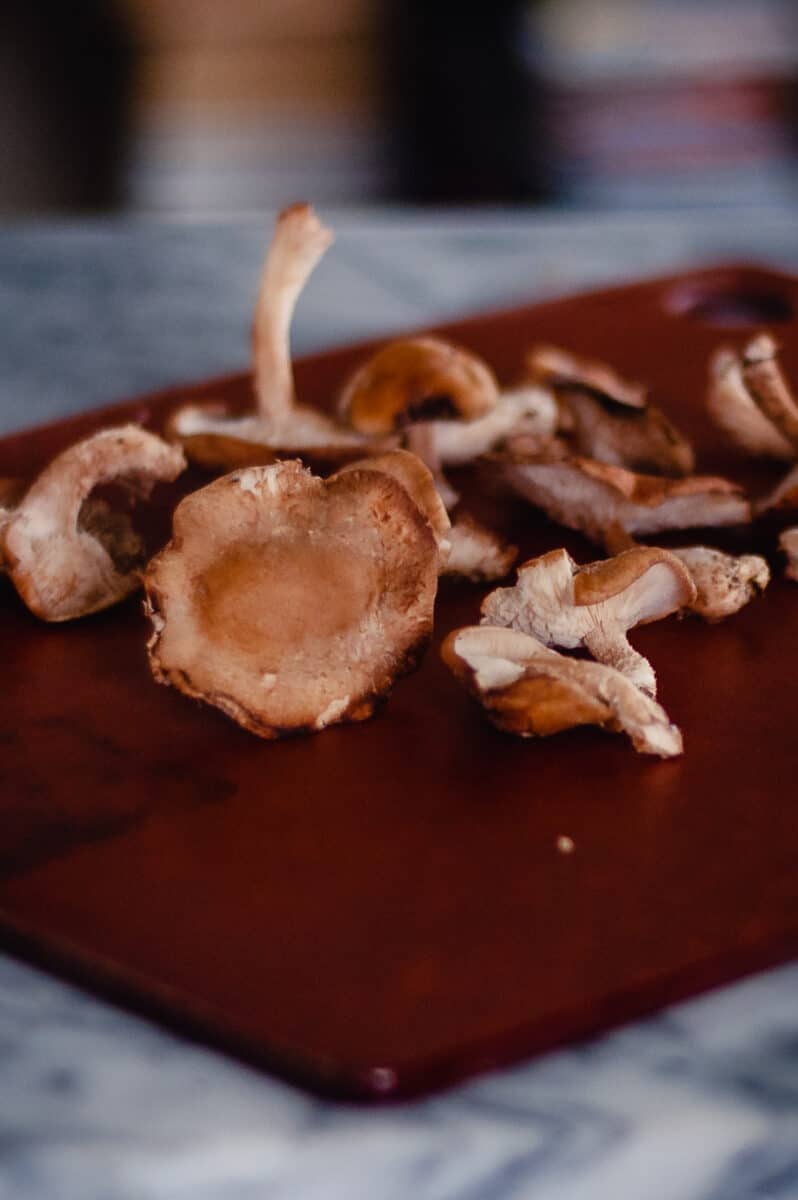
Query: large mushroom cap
[[291, 603], [562, 604], [417, 379], [530, 690], [68, 554]]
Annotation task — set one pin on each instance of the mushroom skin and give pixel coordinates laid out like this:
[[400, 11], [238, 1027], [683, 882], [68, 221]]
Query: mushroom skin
[[769, 388], [530, 690], [289, 602], [724, 583], [70, 555], [563, 604], [736, 413]]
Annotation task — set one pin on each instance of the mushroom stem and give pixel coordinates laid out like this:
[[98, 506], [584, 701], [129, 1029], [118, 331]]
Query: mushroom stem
[[613, 649], [420, 440], [298, 244]]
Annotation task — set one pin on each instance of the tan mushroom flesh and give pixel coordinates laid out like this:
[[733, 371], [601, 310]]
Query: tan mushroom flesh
[[592, 497], [279, 424], [530, 690], [557, 368], [291, 603], [768, 386], [477, 553], [563, 604], [69, 554]]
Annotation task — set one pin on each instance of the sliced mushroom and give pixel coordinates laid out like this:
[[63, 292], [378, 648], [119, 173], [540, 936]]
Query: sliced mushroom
[[477, 553], [724, 583], [279, 425], [768, 386], [788, 544], [563, 604], [592, 497], [415, 385], [607, 418], [292, 603], [69, 554], [736, 413], [529, 411], [530, 690]]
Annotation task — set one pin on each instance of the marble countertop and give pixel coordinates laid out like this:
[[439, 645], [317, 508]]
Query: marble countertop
[[697, 1103]]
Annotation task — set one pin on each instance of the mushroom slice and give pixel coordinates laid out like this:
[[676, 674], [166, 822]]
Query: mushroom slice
[[289, 602], [529, 411], [563, 604], [530, 690], [737, 414], [591, 496], [608, 418], [279, 425], [788, 544], [69, 554], [415, 385], [552, 366], [724, 583], [476, 553], [416, 479]]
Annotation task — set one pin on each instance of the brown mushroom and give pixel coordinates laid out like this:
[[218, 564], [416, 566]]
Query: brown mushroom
[[279, 425], [289, 602], [69, 554], [724, 583], [11, 492], [592, 497], [413, 387], [530, 690], [607, 418], [563, 604]]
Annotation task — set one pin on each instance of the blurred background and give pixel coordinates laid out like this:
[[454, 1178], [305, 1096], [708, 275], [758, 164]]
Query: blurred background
[[221, 106]]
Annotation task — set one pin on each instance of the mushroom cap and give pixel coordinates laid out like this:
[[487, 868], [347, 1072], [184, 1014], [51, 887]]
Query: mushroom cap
[[68, 554], [219, 442], [641, 439], [290, 602], [417, 379], [560, 369], [562, 604], [592, 497], [416, 478], [530, 690], [11, 492]]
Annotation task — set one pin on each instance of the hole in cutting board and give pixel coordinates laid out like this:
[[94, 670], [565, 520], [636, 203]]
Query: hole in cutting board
[[731, 303]]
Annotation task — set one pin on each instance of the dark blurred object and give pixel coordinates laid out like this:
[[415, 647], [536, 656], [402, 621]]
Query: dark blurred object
[[65, 73], [468, 110]]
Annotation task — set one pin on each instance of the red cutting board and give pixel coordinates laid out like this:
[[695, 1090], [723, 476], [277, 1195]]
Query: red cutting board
[[382, 909]]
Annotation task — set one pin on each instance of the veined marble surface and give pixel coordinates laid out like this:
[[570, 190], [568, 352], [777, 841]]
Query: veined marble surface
[[698, 1103]]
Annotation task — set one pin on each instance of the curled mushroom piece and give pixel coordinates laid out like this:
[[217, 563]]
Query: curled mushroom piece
[[415, 387], [608, 418], [289, 602], [750, 400], [279, 426], [724, 583], [11, 492], [69, 554], [592, 496], [477, 553], [528, 689], [563, 604]]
